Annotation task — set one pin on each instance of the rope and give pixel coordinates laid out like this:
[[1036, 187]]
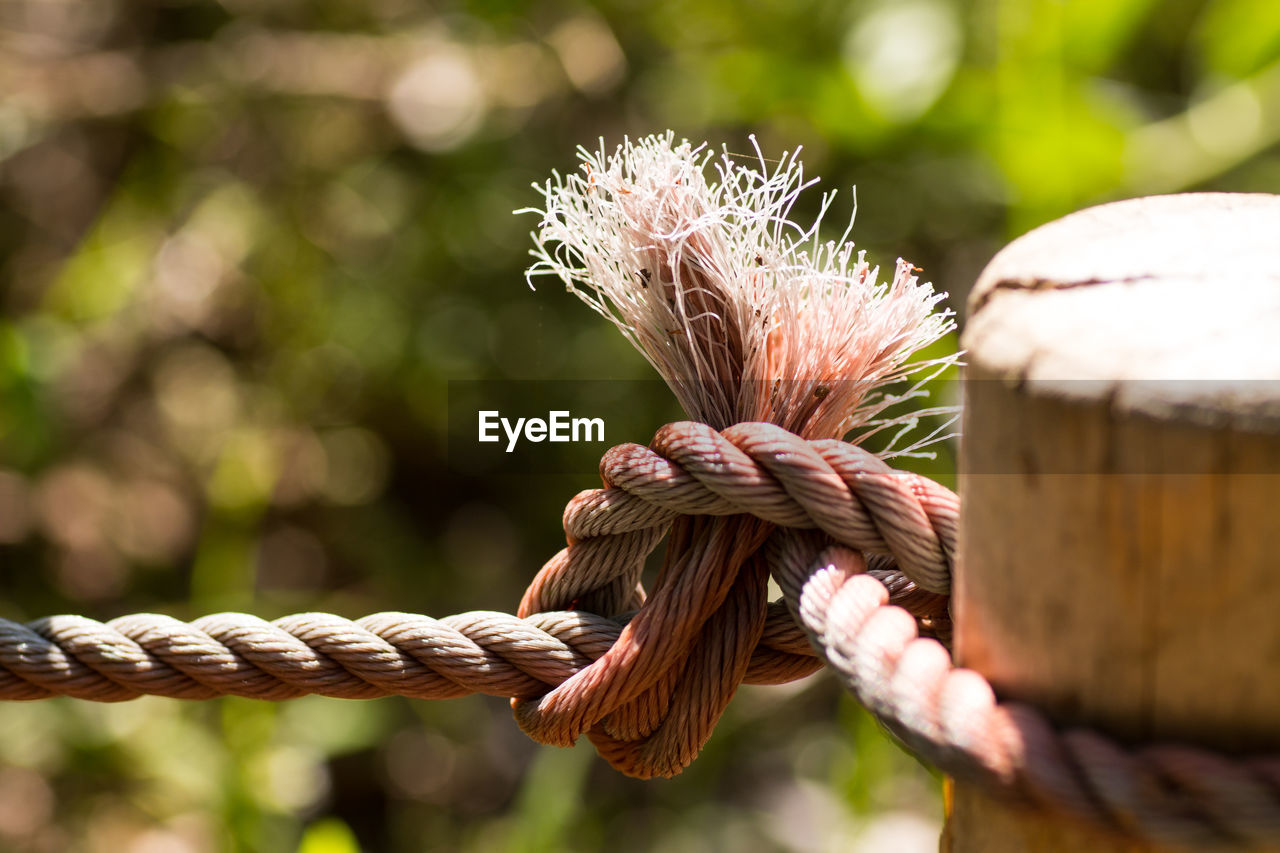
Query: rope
[[862, 554], [385, 654], [950, 717]]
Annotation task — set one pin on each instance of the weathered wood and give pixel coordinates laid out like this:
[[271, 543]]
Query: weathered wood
[[1120, 476]]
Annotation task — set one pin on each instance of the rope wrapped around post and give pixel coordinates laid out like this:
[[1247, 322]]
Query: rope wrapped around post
[[824, 504]]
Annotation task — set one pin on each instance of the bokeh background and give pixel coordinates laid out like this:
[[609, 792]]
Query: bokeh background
[[245, 245]]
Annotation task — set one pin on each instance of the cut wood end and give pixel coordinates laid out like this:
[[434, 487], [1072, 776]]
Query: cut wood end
[[1168, 305]]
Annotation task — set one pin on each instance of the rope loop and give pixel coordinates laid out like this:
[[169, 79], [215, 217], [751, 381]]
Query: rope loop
[[651, 701]]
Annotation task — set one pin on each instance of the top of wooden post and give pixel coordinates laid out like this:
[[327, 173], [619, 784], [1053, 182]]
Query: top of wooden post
[[1169, 290]]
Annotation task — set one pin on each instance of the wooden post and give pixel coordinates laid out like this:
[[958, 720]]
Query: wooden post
[[1119, 557]]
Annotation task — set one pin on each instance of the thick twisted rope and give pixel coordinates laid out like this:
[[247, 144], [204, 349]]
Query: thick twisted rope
[[1170, 794], [385, 654], [862, 557]]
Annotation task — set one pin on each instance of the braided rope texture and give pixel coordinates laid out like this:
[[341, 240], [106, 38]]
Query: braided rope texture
[[862, 553]]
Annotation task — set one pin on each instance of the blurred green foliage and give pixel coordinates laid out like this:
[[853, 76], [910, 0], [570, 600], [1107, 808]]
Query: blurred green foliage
[[244, 247]]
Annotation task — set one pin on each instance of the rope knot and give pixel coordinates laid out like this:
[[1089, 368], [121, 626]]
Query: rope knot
[[651, 701]]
